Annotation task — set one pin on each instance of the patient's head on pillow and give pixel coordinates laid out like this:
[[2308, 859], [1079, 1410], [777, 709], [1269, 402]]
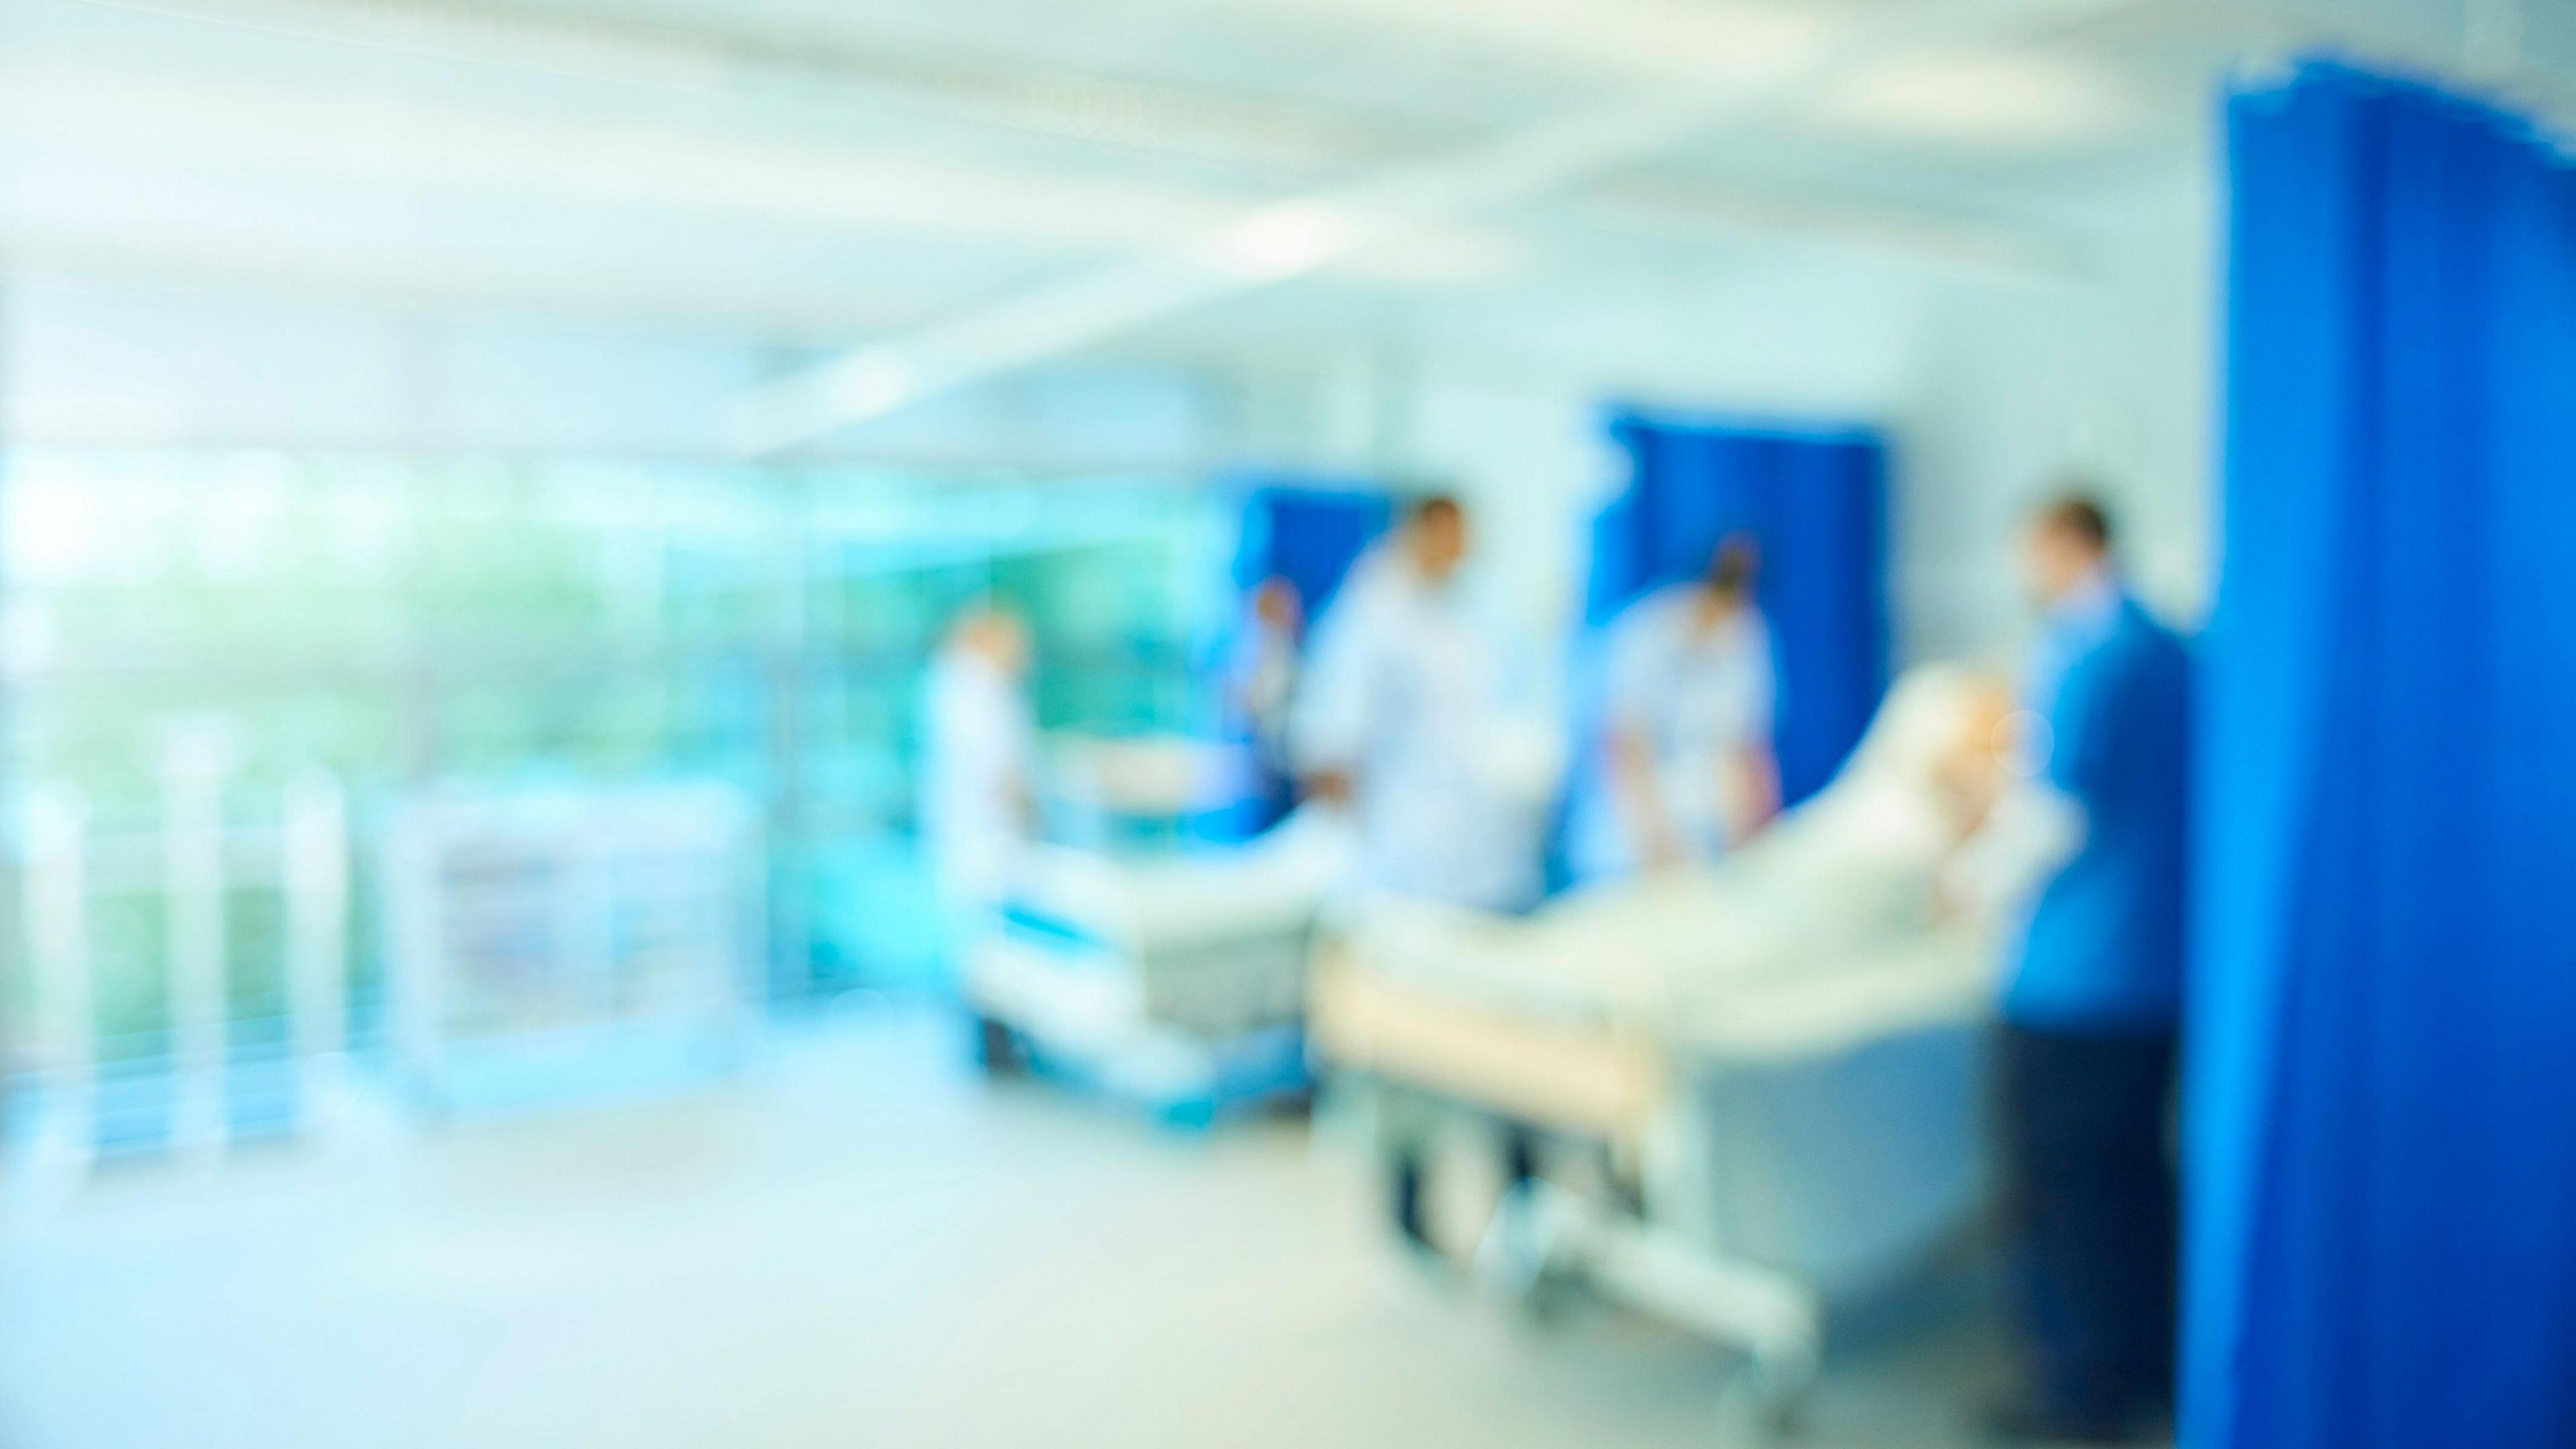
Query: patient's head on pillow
[[1940, 731], [1979, 760], [1927, 712]]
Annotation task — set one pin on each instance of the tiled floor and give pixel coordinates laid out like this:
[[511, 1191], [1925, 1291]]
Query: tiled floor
[[859, 1245]]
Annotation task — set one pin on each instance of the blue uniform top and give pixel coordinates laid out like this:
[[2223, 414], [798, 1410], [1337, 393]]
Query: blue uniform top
[[2103, 947]]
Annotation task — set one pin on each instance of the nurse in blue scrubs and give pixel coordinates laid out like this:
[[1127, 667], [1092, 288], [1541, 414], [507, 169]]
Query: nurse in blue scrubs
[[2092, 1001]]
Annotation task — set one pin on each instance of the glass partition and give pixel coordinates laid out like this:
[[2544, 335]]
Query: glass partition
[[407, 624]]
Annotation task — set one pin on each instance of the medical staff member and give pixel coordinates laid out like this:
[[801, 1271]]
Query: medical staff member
[[1687, 768], [1262, 670], [2092, 999], [1400, 718], [1399, 721], [976, 802]]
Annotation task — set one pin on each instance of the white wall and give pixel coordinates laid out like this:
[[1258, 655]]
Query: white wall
[[2113, 383], [1990, 393], [1504, 402], [126, 363]]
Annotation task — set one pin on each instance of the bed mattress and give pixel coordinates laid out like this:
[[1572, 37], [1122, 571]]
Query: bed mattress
[[1834, 907], [1187, 901]]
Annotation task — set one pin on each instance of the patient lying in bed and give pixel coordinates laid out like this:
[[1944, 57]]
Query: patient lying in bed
[[1864, 866]]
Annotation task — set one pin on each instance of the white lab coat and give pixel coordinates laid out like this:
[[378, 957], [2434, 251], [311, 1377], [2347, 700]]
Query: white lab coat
[[978, 757], [1700, 699], [1402, 692]]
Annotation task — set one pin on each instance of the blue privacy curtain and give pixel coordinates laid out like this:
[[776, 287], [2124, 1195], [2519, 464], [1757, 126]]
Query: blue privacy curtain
[[2382, 1089], [1308, 532], [1815, 499]]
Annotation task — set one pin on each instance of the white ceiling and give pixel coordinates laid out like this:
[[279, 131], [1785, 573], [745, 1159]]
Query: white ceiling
[[832, 170]]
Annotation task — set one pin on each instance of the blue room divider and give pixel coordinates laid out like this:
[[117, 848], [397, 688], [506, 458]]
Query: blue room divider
[[1307, 532], [1815, 500], [2381, 1124]]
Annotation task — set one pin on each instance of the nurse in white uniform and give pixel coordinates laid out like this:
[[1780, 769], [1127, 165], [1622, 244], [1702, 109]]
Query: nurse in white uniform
[[1400, 716], [977, 802], [977, 776], [1686, 770]]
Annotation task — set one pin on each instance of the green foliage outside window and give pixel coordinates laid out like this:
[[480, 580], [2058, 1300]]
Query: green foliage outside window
[[404, 621]]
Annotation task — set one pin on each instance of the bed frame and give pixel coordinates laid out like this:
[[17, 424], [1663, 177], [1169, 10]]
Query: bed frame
[[1746, 1221]]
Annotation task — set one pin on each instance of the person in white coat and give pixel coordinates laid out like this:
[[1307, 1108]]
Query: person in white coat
[[978, 749], [1403, 719], [1399, 717], [977, 802], [1685, 770]]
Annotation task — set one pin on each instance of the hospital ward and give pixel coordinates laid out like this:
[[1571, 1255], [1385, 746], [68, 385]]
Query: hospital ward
[[1287, 724]]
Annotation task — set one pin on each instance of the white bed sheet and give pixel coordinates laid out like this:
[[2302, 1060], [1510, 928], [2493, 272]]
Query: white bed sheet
[[1828, 924], [1183, 901]]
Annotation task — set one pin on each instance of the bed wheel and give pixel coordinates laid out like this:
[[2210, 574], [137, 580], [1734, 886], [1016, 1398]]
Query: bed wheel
[[1403, 1172], [1784, 1419], [1782, 1394], [997, 1051], [1761, 1411]]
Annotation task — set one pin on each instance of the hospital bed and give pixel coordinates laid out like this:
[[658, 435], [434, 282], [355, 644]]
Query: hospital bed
[[1177, 978], [1139, 792], [1779, 1053]]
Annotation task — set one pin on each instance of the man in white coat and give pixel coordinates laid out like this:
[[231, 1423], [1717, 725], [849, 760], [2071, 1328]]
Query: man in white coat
[[978, 748], [1401, 718]]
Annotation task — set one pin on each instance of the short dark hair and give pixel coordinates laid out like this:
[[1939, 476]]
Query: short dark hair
[[1434, 508], [1733, 565], [2079, 515]]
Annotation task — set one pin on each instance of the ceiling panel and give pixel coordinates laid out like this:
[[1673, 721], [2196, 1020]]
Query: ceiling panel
[[850, 164]]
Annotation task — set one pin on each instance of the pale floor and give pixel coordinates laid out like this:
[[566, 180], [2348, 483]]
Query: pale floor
[[858, 1245]]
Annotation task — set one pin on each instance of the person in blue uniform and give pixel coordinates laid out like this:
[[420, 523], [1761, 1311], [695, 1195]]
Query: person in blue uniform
[[2092, 999]]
